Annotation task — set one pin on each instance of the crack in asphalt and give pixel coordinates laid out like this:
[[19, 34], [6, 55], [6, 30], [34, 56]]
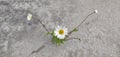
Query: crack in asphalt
[[37, 50]]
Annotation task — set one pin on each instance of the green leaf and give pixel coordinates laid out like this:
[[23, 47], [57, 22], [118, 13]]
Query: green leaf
[[56, 40], [75, 29], [52, 33], [61, 41], [48, 33]]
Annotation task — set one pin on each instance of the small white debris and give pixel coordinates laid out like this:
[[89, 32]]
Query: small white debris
[[96, 11], [29, 17]]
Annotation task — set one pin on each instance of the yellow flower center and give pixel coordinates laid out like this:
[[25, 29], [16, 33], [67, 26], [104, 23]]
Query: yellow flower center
[[61, 31]]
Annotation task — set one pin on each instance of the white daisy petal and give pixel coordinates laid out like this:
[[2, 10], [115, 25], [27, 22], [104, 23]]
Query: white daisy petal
[[61, 32], [56, 33], [96, 11]]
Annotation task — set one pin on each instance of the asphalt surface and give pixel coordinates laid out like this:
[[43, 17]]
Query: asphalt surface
[[99, 34]]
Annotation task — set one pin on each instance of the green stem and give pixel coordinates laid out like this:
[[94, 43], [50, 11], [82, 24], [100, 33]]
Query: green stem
[[80, 24], [73, 38], [43, 25]]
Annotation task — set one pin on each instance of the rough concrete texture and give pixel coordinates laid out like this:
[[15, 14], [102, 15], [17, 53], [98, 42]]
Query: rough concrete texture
[[100, 34]]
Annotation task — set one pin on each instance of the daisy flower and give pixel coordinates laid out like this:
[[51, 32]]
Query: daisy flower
[[29, 17], [61, 32], [96, 11]]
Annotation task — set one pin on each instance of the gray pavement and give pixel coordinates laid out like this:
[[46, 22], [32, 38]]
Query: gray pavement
[[100, 34]]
